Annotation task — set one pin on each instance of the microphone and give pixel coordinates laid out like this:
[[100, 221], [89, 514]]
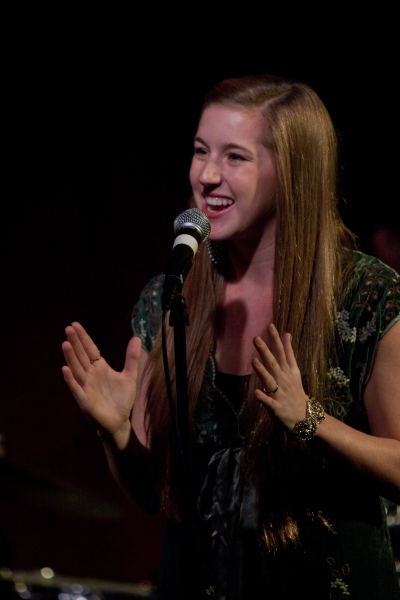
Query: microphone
[[191, 227]]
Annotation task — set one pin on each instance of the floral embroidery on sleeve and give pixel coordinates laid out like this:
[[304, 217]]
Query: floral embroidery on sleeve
[[147, 313], [368, 330], [336, 375], [346, 333], [339, 589], [371, 307]]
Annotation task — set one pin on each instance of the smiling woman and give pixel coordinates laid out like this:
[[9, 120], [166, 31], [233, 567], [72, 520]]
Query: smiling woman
[[293, 368], [233, 172]]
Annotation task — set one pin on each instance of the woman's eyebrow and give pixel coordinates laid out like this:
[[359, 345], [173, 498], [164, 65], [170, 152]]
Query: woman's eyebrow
[[199, 139], [230, 146]]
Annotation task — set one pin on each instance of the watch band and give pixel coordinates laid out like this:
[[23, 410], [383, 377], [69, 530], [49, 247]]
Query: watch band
[[305, 430]]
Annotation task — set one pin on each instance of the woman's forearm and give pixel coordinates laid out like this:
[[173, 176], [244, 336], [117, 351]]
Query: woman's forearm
[[376, 457], [130, 465]]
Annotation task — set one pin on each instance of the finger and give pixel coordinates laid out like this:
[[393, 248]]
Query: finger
[[74, 386], [287, 345], [267, 358], [267, 380], [276, 346], [266, 400], [91, 350], [74, 364], [76, 345]]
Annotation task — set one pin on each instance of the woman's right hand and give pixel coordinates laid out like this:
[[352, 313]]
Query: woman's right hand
[[104, 395]]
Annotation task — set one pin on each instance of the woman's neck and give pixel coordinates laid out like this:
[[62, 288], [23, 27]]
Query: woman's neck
[[247, 306], [253, 260]]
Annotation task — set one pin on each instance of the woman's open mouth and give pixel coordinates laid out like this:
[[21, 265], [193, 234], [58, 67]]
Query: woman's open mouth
[[217, 204]]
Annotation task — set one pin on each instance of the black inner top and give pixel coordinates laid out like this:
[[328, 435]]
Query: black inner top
[[234, 387]]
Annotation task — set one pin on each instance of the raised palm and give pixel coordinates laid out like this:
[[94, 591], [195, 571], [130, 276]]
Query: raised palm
[[105, 396]]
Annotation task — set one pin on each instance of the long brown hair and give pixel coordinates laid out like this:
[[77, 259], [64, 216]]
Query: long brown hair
[[310, 263]]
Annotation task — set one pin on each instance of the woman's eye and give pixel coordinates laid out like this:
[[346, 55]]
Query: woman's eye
[[200, 151], [236, 157]]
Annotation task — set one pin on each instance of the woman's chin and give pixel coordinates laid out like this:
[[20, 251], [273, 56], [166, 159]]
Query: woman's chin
[[216, 235]]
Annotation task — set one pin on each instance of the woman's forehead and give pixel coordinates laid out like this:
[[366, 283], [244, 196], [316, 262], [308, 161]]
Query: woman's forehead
[[233, 123]]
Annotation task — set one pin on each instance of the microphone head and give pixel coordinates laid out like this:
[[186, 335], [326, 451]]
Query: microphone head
[[195, 218]]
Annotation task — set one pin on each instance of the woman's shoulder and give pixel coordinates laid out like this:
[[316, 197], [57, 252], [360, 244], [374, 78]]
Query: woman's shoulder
[[373, 290], [147, 312], [366, 267], [369, 308]]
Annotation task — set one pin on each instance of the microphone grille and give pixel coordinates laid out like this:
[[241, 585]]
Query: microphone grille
[[197, 219]]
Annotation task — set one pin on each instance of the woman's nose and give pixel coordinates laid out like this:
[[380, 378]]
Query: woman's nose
[[211, 174]]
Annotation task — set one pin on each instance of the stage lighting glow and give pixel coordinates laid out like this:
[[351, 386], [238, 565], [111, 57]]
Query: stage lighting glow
[[47, 573]]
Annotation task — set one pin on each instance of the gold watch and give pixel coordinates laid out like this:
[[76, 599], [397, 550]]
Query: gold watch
[[304, 430]]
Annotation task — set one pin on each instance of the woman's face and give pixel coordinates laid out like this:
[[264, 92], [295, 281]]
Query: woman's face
[[233, 174]]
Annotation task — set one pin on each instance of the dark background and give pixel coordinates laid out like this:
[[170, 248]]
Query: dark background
[[101, 107]]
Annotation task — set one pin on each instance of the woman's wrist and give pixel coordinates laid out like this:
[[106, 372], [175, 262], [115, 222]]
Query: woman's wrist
[[119, 439], [305, 430]]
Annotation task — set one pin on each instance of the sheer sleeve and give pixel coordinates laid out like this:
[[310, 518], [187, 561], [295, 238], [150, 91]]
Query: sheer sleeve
[[147, 313]]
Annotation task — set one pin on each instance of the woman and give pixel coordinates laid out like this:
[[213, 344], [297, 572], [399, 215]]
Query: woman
[[293, 363]]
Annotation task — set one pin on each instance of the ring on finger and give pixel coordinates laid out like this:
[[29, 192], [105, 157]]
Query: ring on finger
[[271, 392], [95, 359]]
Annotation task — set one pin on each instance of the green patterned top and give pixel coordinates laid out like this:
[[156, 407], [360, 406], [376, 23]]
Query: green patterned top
[[370, 309], [353, 562]]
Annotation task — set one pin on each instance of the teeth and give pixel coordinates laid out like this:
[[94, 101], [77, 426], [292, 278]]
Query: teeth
[[219, 202]]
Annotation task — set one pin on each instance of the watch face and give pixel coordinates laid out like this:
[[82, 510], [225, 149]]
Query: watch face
[[304, 430]]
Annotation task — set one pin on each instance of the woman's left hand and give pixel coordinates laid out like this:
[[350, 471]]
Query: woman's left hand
[[278, 367]]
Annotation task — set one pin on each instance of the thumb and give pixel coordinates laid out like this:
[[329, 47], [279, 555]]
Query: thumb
[[133, 353]]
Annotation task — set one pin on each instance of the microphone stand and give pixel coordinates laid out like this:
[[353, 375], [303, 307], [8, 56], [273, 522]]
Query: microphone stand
[[191, 572]]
